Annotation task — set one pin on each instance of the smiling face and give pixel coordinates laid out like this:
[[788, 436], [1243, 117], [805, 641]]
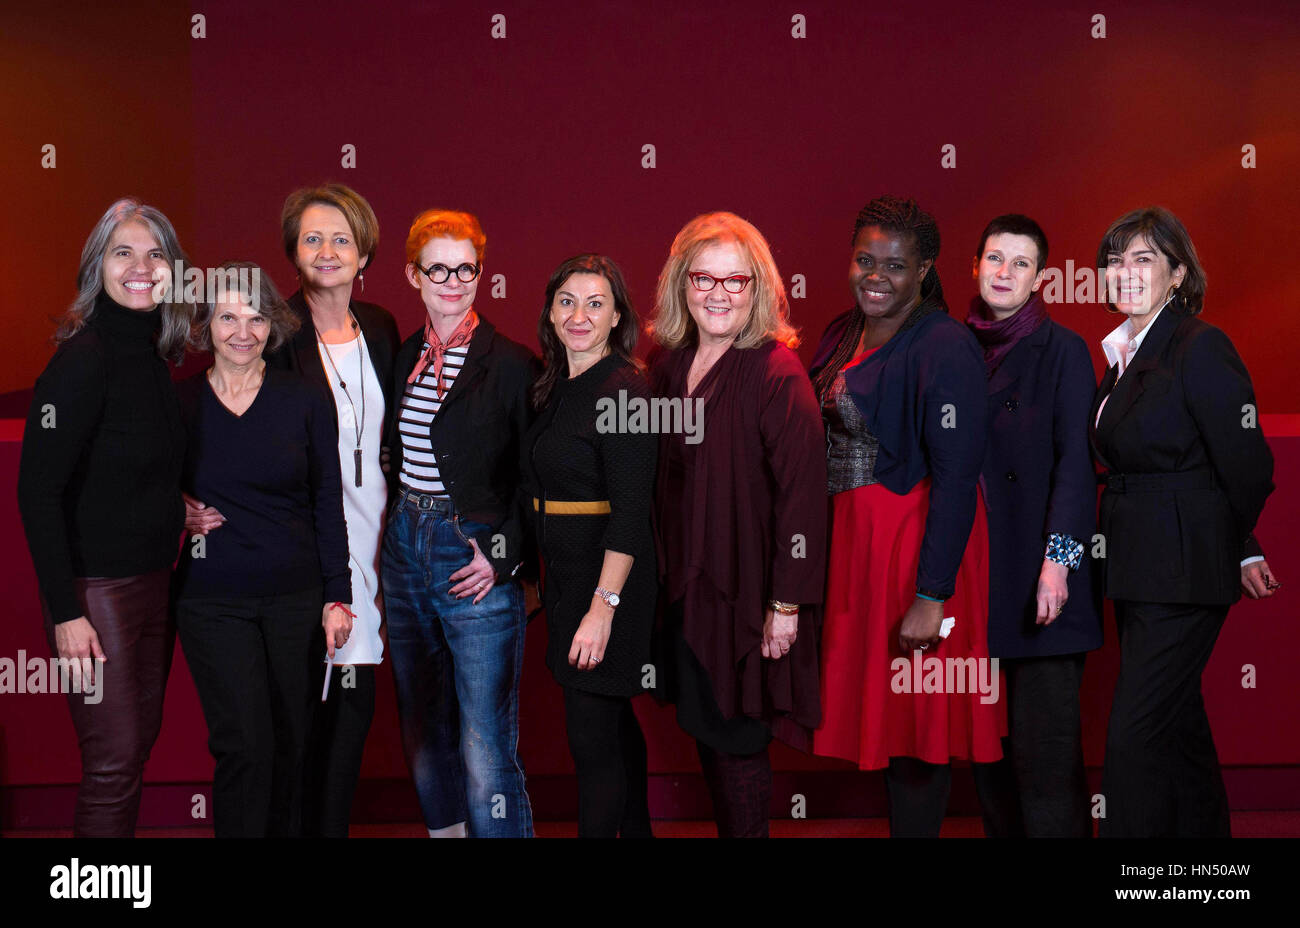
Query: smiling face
[[583, 314], [1141, 279], [133, 265], [886, 272], [327, 251], [1008, 272], [453, 297], [238, 332], [720, 316]]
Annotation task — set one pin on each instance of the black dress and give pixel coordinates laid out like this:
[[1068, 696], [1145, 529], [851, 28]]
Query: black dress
[[580, 449]]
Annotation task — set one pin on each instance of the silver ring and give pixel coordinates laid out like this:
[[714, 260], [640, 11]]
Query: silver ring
[[926, 646]]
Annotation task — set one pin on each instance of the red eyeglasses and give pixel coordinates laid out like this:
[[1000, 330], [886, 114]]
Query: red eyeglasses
[[706, 282]]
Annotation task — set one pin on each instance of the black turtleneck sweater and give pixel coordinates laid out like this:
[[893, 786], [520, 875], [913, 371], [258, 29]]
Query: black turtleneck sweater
[[99, 481]]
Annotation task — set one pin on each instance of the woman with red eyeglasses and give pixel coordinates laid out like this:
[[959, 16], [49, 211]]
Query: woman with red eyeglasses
[[740, 506]]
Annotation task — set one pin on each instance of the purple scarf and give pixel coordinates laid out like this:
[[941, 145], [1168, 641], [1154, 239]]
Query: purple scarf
[[999, 336]]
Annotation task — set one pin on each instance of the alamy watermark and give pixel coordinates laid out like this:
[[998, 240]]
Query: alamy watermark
[[1091, 284], [933, 674], [76, 880], [209, 285], [660, 415], [78, 675]]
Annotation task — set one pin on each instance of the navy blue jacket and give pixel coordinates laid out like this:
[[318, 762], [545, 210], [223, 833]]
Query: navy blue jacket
[[919, 396], [1039, 479]]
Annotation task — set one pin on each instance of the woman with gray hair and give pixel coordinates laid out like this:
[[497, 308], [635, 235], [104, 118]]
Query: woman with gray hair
[[99, 493]]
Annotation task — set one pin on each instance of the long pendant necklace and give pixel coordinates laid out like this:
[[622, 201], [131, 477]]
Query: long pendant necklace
[[361, 375]]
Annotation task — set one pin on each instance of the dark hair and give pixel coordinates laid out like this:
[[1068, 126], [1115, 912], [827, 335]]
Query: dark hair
[[1015, 224], [622, 339], [899, 216], [267, 301], [895, 214], [1167, 233]]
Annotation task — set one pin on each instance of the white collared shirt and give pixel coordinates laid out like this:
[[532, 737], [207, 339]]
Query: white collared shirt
[[1119, 347]]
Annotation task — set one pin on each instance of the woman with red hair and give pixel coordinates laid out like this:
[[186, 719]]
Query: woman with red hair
[[454, 540]]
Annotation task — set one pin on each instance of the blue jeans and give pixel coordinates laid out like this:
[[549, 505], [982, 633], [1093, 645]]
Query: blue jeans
[[457, 668]]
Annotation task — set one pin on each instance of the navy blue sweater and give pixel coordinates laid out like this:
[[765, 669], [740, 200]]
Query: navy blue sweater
[[274, 474]]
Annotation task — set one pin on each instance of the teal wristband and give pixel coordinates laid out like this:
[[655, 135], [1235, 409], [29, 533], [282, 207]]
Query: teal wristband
[[929, 598]]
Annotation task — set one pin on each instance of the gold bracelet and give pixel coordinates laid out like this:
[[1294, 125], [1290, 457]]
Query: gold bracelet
[[784, 608]]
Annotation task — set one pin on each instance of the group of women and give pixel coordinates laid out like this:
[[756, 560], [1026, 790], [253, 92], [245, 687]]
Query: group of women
[[927, 487]]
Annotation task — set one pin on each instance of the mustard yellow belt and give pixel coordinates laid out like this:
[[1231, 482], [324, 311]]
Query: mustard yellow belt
[[558, 507]]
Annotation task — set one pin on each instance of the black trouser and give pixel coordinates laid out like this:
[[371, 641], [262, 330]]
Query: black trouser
[[334, 748], [1162, 777], [918, 797], [253, 661], [1039, 788], [609, 753]]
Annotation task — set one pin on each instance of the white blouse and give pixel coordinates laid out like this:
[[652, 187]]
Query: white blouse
[[363, 506]]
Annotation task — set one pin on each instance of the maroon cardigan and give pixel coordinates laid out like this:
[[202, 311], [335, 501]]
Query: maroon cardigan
[[755, 481]]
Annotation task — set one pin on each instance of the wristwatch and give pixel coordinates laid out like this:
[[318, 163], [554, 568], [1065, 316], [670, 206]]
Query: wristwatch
[[611, 599]]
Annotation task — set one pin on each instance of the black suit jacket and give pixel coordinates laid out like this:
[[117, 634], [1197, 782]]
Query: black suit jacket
[[1184, 406], [301, 355], [476, 436]]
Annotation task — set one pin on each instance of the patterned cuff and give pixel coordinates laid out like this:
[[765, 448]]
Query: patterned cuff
[[1063, 549]]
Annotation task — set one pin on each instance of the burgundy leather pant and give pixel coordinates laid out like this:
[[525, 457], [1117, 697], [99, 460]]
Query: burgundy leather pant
[[132, 620]]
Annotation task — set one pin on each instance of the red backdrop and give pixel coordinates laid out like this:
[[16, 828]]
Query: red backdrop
[[541, 133]]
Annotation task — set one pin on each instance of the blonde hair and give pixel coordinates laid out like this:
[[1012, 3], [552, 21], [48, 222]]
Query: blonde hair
[[769, 315]]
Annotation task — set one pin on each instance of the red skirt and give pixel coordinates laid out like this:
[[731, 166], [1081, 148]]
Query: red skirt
[[878, 702]]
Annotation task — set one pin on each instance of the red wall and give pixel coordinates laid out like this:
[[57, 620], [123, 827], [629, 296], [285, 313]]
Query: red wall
[[540, 134]]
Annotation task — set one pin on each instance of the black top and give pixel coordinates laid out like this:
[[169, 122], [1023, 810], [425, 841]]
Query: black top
[[578, 450], [99, 481], [1190, 469], [274, 474], [476, 436]]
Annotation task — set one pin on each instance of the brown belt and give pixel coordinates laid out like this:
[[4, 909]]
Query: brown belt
[[557, 507]]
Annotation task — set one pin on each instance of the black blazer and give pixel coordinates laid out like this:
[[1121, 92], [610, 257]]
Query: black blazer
[[301, 355], [1189, 466], [477, 436], [1038, 478]]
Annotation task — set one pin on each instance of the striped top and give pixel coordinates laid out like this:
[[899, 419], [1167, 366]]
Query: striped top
[[419, 405]]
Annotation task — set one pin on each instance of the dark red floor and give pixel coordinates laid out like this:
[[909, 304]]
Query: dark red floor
[[1244, 825]]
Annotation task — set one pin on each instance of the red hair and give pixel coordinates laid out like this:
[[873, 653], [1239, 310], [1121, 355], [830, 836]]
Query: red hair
[[444, 223]]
